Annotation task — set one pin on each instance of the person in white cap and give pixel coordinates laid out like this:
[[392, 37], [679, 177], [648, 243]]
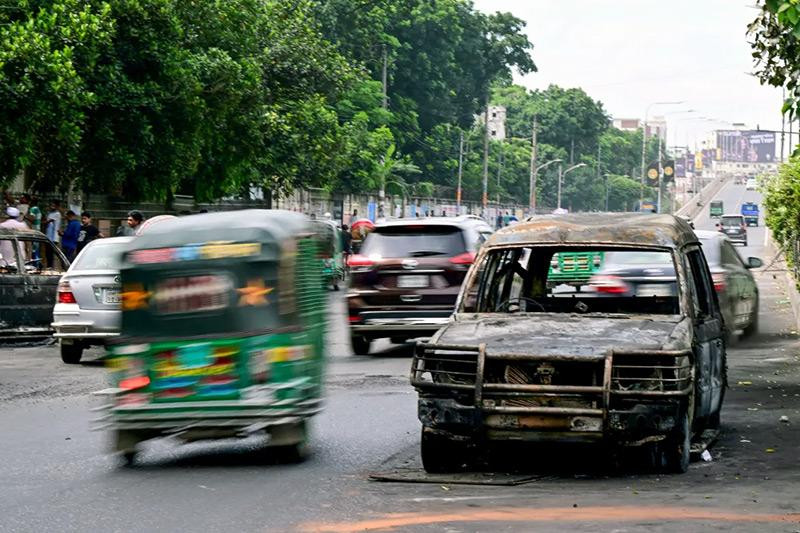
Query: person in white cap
[[6, 247]]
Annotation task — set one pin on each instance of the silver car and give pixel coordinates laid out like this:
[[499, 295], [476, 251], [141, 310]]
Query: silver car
[[87, 310]]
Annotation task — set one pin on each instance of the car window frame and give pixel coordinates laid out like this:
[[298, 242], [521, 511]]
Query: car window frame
[[14, 246]]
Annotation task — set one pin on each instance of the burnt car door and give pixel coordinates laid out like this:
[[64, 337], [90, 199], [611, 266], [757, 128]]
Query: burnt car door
[[12, 286], [41, 279], [709, 348]]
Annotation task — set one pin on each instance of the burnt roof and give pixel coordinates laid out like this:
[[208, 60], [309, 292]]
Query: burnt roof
[[606, 228], [18, 232]]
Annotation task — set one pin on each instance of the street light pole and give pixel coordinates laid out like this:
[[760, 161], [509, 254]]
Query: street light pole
[[561, 177], [644, 139]]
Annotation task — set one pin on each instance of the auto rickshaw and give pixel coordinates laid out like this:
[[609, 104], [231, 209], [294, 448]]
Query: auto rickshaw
[[330, 251], [715, 209], [223, 323]]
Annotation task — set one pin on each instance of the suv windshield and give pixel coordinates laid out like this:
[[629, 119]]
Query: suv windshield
[[630, 281], [414, 241], [732, 221], [101, 256]]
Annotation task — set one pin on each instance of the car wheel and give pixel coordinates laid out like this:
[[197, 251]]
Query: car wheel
[[676, 448], [752, 327], [71, 353], [441, 454], [360, 344]]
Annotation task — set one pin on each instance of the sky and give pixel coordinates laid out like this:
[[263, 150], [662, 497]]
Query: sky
[[631, 53]]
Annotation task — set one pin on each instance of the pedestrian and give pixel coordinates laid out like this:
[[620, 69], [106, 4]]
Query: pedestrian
[[23, 206], [52, 226], [134, 222], [34, 220], [354, 216], [347, 242], [88, 232], [7, 256], [499, 220], [69, 236]]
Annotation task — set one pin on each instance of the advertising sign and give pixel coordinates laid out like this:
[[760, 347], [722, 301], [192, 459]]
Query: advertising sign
[[746, 146]]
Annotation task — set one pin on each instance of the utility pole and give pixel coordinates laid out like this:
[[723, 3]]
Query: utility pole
[[599, 152], [660, 172], [532, 179], [560, 177], [460, 168], [572, 152], [499, 171], [385, 104], [485, 197], [783, 126]]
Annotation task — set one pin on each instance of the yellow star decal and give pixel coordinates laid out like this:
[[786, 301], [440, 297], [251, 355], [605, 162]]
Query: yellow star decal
[[134, 297], [255, 293]]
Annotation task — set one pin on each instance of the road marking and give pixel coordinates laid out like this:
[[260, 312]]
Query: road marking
[[552, 514]]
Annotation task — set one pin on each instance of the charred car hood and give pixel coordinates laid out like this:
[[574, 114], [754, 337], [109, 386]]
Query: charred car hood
[[546, 334]]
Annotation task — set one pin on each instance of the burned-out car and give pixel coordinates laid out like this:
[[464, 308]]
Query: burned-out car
[[30, 267], [524, 359]]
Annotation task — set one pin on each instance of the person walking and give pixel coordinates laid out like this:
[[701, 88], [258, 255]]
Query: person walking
[[134, 222], [7, 254], [88, 232], [52, 228], [69, 237]]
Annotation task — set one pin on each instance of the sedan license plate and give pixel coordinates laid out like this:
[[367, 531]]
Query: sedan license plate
[[653, 289], [111, 296], [412, 282]]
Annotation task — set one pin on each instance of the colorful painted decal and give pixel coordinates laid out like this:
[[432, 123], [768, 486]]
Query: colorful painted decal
[[255, 293], [134, 297], [193, 252]]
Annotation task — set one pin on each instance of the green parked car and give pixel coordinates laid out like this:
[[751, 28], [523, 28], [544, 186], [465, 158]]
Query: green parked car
[[223, 323]]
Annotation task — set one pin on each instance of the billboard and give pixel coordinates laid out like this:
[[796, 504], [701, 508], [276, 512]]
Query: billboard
[[746, 146]]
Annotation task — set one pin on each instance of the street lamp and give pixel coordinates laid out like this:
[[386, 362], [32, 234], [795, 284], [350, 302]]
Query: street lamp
[[535, 172], [561, 177]]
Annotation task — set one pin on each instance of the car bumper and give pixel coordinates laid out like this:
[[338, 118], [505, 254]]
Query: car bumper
[[398, 322], [72, 322]]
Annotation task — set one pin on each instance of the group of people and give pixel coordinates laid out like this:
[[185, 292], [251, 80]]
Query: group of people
[[64, 229]]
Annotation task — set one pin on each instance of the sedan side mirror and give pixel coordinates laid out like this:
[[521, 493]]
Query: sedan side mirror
[[754, 262]]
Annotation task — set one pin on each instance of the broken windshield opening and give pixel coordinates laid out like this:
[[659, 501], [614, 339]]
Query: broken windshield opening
[[547, 279]]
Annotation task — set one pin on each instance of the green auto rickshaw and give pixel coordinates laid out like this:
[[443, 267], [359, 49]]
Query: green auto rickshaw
[[223, 324], [573, 268], [330, 251], [715, 209]]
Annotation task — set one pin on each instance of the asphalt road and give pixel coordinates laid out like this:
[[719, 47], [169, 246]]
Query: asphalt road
[[55, 474]]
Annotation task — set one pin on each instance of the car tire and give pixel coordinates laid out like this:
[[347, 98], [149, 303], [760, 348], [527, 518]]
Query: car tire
[[441, 455], [360, 344], [751, 328], [71, 353], [676, 448]]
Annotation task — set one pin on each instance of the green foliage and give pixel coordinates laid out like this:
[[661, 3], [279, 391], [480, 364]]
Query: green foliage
[[782, 206]]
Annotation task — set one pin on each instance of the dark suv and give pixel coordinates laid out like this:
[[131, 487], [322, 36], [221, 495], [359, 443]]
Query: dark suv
[[734, 227], [405, 280]]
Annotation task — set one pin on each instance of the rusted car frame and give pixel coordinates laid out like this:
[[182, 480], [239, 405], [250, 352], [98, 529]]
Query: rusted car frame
[[496, 382]]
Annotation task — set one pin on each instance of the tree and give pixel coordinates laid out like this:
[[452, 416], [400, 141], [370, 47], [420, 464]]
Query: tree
[[151, 97]]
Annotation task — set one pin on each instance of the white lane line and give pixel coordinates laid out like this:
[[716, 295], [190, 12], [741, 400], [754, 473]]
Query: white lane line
[[463, 498], [766, 236]]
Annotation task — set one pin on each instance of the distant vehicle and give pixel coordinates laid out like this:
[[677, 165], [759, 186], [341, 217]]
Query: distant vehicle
[[733, 226], [734, 284], [751, 184], [750, 213], [715, 209], [87, 311], [647, 207], [30, 266], [520, 362], [405, 279]]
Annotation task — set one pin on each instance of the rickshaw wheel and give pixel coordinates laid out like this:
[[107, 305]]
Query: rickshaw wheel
[[440, 454], [360, 344]]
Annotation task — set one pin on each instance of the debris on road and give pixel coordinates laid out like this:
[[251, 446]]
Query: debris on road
[[706, 456], [784, 419]]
